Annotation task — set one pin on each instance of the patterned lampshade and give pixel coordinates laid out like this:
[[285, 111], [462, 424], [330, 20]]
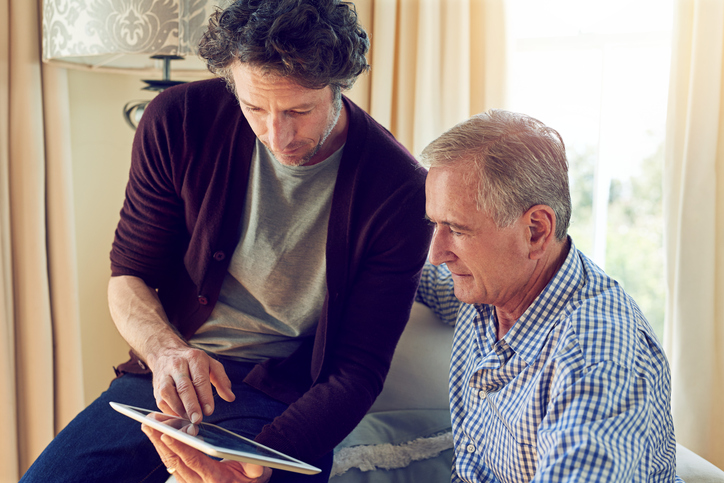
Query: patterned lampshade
[[141, 36], [124, 34]]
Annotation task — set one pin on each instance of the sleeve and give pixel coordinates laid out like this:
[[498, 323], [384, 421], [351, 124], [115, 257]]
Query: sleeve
[[437, 291], [148, 238], [596, 427]]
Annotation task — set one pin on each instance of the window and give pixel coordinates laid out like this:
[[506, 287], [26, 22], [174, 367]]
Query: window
[[597, 72]]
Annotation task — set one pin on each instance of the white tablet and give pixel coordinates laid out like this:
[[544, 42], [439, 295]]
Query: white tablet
[[215, 440]]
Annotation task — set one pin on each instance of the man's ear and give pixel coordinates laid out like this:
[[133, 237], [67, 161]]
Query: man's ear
[[541, 221]]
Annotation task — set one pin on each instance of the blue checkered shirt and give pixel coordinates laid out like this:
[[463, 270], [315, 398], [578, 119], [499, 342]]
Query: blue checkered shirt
[[577, 390]]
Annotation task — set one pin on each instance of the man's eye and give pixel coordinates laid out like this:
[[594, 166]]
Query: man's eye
[[444, 226], [300, 113], [435, 226]]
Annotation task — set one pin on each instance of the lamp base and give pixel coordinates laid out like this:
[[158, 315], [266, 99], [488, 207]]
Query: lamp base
[[160, 85], [133, 110]]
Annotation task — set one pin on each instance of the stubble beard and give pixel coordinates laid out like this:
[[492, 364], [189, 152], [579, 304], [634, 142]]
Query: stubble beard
[[337, 106]]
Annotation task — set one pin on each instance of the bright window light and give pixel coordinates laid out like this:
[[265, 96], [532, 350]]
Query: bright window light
[[598, 71]]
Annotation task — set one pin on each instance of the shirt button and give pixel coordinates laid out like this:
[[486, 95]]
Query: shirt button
[[470, 448], [203, 300], [482, 395], [219, 256]]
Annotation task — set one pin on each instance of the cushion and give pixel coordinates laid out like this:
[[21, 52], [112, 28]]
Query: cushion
[[431, 470], [397, 427], [692, 468], [384, 443], [406, 436], [418, 377]]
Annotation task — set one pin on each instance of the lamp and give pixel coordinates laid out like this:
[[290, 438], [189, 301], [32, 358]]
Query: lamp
[[136, 36]]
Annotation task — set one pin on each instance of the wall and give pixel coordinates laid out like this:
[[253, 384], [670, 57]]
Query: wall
[[101, 147]]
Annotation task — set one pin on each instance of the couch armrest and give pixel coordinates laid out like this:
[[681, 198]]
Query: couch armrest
[[692, 468]]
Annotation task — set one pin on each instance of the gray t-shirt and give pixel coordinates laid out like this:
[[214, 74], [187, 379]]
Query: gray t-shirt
[[274, 290]]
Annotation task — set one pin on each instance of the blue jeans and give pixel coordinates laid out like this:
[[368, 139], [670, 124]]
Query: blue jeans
[[102, 445]]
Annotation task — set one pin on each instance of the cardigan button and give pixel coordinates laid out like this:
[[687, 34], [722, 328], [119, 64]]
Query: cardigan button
[[203, 300], [219, 256]]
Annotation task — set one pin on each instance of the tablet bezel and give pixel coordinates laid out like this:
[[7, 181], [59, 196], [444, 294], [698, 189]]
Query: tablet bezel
[[287, 463]]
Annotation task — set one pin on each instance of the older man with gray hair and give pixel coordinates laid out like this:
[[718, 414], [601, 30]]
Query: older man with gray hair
[[555, 373]]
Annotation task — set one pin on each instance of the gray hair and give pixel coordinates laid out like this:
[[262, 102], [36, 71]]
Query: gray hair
[[518, 161]]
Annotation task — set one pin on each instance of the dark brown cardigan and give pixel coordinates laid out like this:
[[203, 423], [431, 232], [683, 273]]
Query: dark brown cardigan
[[179, 227]]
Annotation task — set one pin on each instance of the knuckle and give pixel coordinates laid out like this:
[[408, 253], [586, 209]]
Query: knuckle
[[168, 461], [194, 460], [183, 385], [194, 354], [201, 380], [165, 391]]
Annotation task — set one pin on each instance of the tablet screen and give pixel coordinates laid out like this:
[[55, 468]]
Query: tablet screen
[[215, 440]]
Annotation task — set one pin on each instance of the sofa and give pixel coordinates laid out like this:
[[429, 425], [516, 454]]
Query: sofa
[[406, 436]]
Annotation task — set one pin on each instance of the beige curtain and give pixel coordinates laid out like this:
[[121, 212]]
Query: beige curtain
[[694, 236], [434, 63], [40, 373]]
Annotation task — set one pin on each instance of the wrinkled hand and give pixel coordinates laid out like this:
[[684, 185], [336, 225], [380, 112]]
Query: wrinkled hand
[[189, 465], [182, 379]]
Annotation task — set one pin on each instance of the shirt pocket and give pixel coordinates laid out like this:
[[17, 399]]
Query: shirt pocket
[[515, 447]]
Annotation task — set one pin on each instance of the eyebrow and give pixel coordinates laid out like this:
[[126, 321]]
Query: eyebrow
[[301, 107]]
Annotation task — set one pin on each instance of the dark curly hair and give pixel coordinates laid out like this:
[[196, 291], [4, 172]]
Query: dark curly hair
[[318, 43]]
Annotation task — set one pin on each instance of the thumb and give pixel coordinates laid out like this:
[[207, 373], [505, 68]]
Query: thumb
[[258, 474], [252, 470]]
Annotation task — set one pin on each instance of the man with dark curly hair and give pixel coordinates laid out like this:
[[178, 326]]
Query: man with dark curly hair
[[266, 259]]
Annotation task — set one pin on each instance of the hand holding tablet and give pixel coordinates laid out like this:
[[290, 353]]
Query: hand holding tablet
[[215, 441], [188, 464]]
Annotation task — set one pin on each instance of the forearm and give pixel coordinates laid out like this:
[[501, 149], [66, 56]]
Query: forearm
[[140, 319]]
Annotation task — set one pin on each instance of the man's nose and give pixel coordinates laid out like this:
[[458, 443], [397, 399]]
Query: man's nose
[[439, 248], [280, 132]]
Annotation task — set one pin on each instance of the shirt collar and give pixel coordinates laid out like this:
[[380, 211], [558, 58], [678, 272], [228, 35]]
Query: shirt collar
[[526, 337]]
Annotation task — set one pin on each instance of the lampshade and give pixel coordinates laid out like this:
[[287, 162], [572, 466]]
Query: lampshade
[[140, 36], [114, 35]]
